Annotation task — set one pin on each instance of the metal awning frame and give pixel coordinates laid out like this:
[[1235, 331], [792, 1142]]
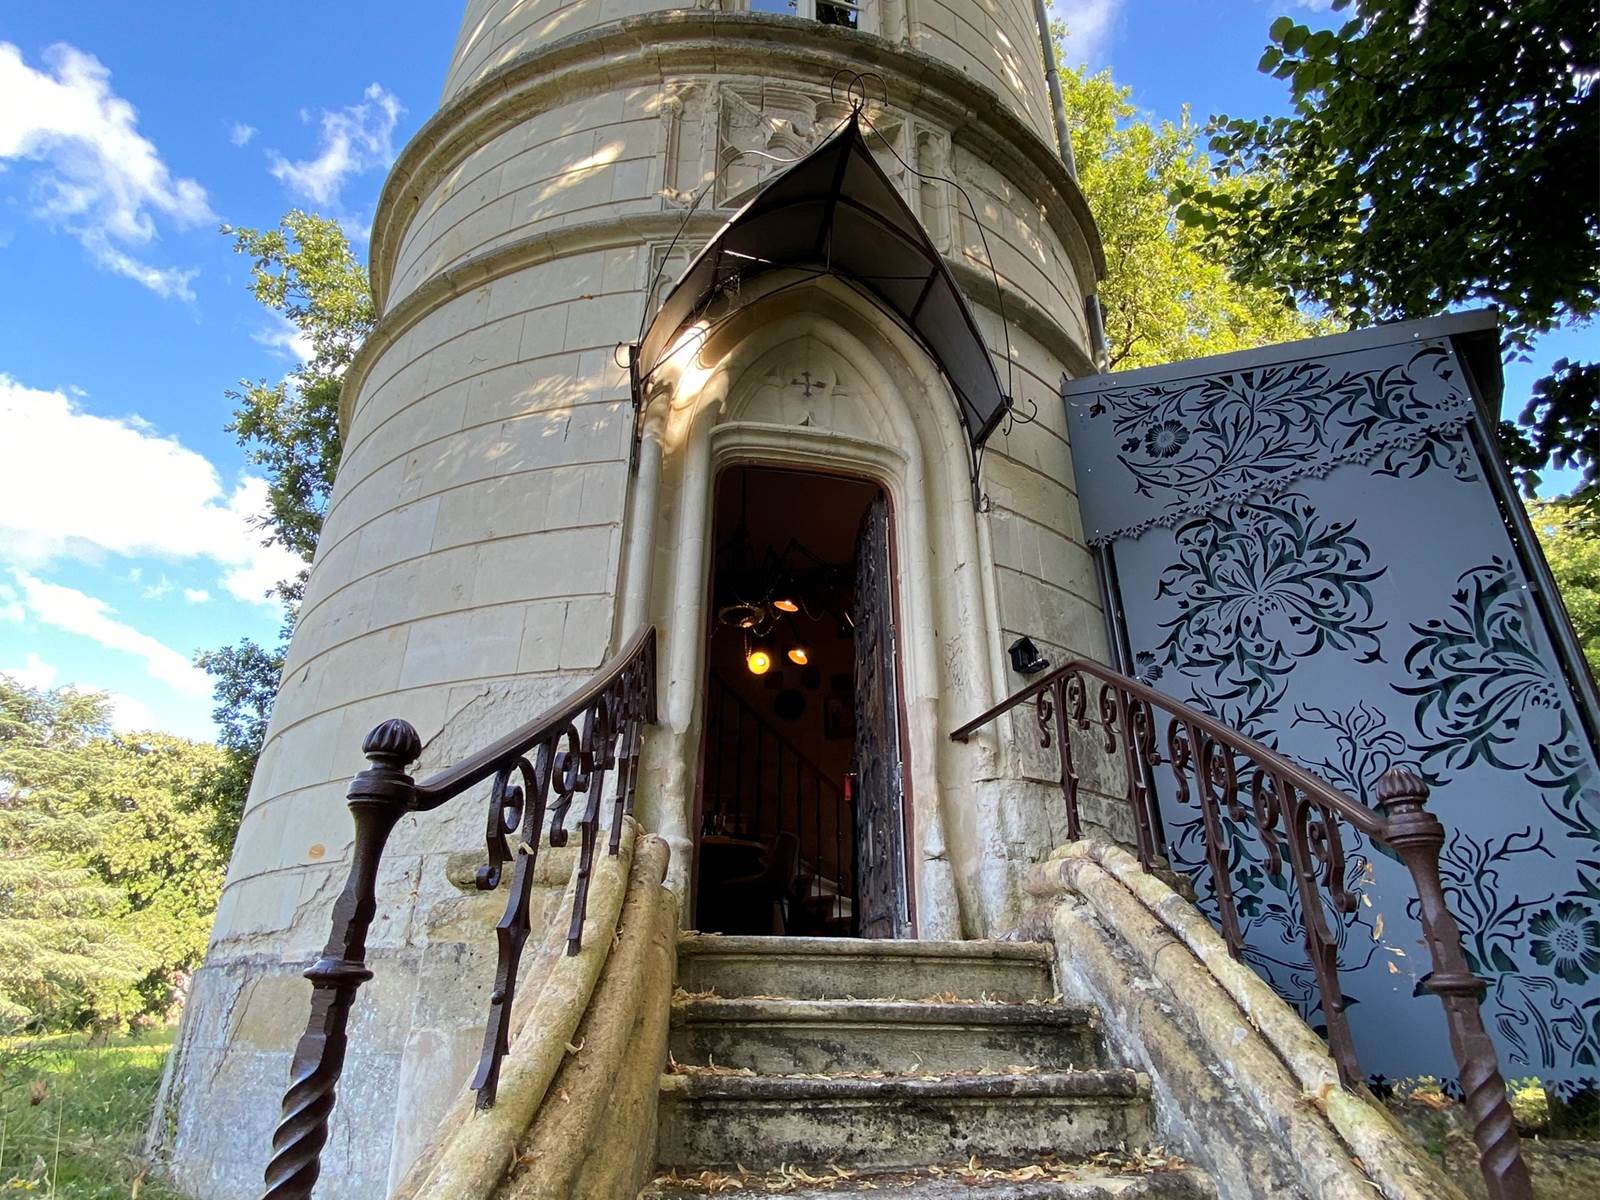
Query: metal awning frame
[[713, 275]]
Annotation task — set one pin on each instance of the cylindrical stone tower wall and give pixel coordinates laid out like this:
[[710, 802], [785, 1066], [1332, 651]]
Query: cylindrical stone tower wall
[[475, 556]]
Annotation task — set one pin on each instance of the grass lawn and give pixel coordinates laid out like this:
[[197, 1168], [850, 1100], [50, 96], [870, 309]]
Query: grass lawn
[[73, 1116]]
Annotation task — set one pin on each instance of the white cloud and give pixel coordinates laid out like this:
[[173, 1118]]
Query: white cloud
[[240, 134], [286, 336], [354, 139], [100, 179], [127, 714], [129, 491], [196, 595], [10, 604], [34, 673], [77, 612], [1090, 24], [170, 283]]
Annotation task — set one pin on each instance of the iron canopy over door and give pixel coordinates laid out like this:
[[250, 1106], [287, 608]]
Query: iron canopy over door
[[881, 900]]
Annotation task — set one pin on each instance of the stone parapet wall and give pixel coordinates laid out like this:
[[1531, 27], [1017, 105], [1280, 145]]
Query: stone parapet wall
[[640, 115], [995, 42]]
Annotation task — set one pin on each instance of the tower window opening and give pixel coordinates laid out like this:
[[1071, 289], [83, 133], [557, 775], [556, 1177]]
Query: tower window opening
[[827, 12]]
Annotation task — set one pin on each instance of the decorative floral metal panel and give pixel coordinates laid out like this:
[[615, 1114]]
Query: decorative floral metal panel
[[1310, 550]]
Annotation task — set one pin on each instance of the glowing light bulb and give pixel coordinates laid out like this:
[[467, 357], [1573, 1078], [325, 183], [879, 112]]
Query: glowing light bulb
[[759, 661], [799, 655], [788, 606]]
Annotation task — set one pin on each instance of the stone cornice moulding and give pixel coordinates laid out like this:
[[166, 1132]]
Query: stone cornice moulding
[[619, 232], [684, 43]]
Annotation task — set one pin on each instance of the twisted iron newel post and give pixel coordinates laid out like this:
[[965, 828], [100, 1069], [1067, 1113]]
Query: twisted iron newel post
[[379, 797], [1417, 836]]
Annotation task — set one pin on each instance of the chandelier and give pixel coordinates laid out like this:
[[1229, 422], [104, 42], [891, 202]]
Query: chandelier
[[763, 599]]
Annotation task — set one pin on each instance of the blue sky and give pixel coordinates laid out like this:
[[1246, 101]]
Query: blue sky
[[128, 133]]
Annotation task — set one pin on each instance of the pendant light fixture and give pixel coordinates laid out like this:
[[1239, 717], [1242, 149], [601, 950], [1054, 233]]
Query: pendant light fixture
[[757, 658]]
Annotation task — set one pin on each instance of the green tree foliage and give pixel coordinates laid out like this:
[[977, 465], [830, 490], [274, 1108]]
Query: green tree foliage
[[1439, 154], [1569, 533], [58, 948], [111, 860], [244, 683], [1166, 295], [303, 271]]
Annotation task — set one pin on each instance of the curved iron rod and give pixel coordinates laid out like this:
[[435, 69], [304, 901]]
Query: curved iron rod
[[450, 783], [1352, 810]]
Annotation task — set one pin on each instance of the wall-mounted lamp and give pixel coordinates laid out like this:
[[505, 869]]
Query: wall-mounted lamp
[[1025, 657]]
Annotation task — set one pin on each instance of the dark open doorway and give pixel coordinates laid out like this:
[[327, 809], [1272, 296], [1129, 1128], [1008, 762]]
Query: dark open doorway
[[800, 808]]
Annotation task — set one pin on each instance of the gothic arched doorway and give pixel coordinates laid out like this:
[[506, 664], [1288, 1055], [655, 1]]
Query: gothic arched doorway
[[801, 816]]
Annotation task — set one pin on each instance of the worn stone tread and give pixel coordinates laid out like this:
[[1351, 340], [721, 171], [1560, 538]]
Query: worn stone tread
[[894, 1037], [1183, 1183], [741, 1009], [846, 968], [1114, 1083], [716, 943]]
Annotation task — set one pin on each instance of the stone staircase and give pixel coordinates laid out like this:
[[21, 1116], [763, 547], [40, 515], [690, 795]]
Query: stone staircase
[[811, 1066]]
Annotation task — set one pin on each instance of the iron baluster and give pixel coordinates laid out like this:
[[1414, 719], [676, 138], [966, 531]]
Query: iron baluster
[[1417, 836], [613, 707], [1214, 768], [378, 798], [511, 933]]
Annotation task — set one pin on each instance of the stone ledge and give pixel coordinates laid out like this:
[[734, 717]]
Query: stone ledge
[[1107, 1084], [775, 947], [1094, 1183], [739, 1010], [687, 42], [627, 231]]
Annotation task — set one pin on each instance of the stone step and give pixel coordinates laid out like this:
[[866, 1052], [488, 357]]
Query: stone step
[[1082, 1181], [780, 1037], [722, 1119], [841, 968]]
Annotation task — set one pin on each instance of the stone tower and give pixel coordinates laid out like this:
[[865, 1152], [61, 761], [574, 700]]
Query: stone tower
[[508, 510]]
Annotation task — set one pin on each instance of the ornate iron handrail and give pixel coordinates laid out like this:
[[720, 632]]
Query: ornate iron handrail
[[547, 754], [1290, 809]]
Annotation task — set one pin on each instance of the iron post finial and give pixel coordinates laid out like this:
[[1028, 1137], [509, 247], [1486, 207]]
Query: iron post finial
[[1399, 787], [393, 744]]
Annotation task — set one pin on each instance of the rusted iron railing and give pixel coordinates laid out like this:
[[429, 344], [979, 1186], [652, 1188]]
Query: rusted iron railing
[[570, 749], [1298, 818]]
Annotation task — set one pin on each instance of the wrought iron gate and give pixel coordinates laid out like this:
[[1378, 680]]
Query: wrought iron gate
[[881, 900]]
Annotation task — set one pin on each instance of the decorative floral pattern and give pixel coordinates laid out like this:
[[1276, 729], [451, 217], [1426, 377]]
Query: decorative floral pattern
[[1189, 444], [1567, 939], [1163, 441], [1258, 586], [1480, 679], [1442, 449], [1303, 593]]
